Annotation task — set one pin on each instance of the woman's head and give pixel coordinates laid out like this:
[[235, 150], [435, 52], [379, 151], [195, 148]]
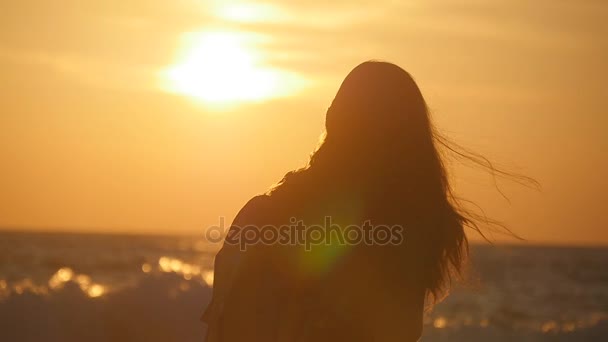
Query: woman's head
[[376, 99], [378, 112], [379, 136]]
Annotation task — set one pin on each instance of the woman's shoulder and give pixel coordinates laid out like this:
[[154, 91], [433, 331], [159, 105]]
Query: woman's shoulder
[[255, 211]]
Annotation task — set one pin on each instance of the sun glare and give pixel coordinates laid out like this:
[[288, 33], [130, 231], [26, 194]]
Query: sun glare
[[219, 67]]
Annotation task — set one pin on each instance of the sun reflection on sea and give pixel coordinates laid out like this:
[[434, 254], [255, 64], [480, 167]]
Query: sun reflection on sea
[[95, 291], [186, 270], [187, 276], [55, 283], [64, 275], [84, 282]]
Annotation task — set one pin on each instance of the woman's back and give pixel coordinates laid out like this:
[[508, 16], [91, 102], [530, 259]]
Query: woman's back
[[333, 287]]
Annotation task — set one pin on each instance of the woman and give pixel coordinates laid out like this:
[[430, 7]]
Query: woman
[[378, 166]]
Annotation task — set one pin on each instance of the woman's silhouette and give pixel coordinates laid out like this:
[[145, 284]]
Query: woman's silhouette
[[378, 163]]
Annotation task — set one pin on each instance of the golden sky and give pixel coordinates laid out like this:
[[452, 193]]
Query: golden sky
[[112, 120]]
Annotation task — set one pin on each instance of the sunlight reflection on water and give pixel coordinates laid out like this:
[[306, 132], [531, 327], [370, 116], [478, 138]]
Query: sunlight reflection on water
[[65, 275], [163, 269]]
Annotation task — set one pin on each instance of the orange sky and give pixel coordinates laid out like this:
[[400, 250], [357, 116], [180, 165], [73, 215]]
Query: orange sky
[[91, 139]]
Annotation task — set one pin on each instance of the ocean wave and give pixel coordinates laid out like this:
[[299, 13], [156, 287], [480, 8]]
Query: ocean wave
[[70, 288]]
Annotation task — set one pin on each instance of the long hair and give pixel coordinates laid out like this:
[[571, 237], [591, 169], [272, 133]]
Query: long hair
[[380, 139]]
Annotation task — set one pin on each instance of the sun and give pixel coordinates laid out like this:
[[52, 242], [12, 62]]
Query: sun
[[219, 67]]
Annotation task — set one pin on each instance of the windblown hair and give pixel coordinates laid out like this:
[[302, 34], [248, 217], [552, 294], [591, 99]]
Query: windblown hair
[[380, 139]]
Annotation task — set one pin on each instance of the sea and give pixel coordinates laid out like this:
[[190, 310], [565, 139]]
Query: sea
[[87, 287]]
